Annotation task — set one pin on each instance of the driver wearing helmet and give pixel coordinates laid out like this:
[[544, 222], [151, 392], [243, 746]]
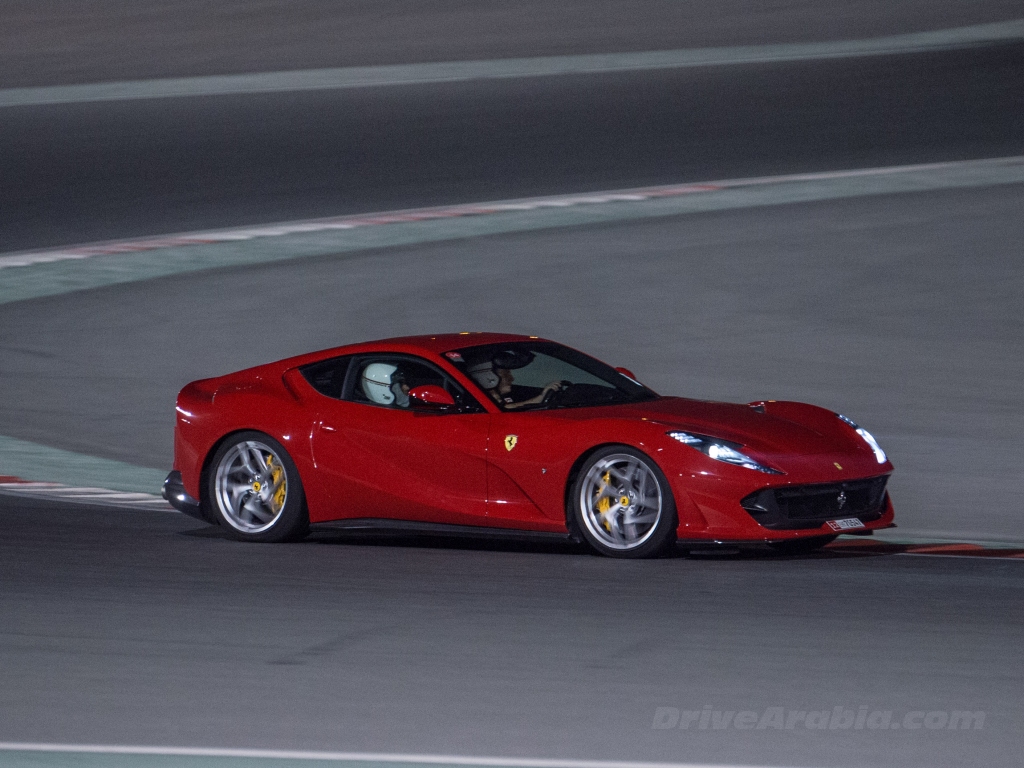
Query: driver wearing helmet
[[496, 378], [384, 384]]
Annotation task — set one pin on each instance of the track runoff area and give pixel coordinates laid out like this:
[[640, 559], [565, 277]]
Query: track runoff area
[[32, 470]]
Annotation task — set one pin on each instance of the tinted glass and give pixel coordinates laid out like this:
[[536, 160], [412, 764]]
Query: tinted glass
[[328, 376], [537, 375], [386, 380]]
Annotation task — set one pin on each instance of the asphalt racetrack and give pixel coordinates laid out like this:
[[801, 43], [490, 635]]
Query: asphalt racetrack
[[130, 627], [125, 627], [83, 172]]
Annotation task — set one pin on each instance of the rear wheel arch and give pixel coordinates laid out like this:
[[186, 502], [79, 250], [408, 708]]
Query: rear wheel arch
[[296, 530]]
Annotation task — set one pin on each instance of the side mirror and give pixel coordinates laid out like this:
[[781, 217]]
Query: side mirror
[[627, 372], [432, 396]]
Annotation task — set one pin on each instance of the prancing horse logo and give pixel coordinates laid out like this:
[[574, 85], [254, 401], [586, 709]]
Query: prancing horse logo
[[840, 499], [510, 442]]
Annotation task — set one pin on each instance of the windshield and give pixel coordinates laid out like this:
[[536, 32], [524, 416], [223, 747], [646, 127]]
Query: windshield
[[542, 375]]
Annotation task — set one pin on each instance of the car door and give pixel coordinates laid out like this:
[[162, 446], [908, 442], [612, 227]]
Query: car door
[[530, 457], [385, 454], [540, 390]]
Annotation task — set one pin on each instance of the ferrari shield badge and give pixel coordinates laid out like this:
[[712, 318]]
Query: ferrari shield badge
[[510, 441]]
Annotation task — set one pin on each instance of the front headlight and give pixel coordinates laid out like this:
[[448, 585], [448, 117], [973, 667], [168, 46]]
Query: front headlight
[[867, 437], [721, 450]]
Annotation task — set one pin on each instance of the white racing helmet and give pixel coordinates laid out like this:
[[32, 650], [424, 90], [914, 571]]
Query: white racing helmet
[[377, 382], [484, 375]]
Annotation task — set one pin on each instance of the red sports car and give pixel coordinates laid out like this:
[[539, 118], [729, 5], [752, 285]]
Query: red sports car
[[496, 431]]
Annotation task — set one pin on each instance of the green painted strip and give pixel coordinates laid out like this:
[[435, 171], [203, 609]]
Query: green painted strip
[[454, 71], [58, 759], [25, 759], [53, 278], [30, 461]]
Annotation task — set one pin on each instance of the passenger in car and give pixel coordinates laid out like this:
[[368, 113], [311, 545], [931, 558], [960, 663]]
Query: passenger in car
[[384, 384]]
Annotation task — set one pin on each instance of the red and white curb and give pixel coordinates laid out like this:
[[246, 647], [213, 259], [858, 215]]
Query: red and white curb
[[944, 549], [15, 486], [313, 226], [353, 222]]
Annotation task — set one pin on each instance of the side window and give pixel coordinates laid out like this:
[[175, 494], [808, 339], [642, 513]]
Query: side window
[[328, 376], [388, 380]]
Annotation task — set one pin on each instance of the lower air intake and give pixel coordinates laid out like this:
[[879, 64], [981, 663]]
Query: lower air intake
[[808, 506]]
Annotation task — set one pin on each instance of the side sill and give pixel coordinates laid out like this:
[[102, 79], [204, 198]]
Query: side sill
[[439, 529]]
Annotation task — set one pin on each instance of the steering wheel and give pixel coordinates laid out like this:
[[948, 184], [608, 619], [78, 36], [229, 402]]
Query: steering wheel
[[552, 393]]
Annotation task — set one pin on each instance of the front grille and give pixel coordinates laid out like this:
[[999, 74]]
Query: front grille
[[808, 506]]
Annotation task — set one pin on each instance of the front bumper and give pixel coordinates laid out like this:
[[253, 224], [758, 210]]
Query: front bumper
[[802, 507], [174, 492], [715, 508]]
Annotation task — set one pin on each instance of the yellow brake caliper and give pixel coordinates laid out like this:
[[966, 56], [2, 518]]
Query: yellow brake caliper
[[276, 470], [604, 503]]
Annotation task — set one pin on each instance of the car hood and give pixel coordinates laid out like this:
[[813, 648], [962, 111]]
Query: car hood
[[794, 429]]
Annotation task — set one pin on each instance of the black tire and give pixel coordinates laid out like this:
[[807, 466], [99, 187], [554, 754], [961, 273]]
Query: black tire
[[253, 490], [644, 526], [802, 546]]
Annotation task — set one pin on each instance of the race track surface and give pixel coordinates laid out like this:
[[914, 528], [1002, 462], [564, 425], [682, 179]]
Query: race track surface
[[83, 172], [126, 627], [64, 41]]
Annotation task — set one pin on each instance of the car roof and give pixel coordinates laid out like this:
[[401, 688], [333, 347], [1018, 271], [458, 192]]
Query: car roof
[[443, 342], [428, 345]]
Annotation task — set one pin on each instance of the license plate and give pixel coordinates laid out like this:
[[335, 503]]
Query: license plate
[[847, 524]]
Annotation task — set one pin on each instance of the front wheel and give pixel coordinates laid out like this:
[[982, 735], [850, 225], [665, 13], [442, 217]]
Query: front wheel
[[253, 489], [622, 505]]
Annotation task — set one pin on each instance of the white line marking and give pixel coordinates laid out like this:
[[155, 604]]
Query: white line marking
[[372, 757], [53, 488], [83, 491], [58, 492], [105, 495], [543, 66], [25, 488], [281, 229]]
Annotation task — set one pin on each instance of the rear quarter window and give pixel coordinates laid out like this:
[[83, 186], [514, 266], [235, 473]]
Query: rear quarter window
[[328, 376]]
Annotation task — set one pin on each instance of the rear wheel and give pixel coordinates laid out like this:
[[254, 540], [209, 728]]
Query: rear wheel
[[802, 546], [622, 505], [254, 491]]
